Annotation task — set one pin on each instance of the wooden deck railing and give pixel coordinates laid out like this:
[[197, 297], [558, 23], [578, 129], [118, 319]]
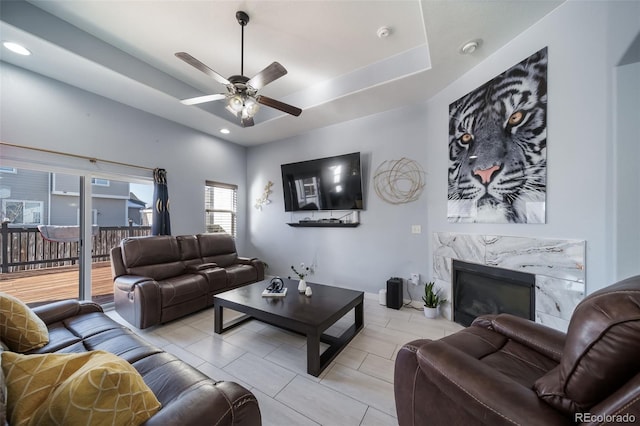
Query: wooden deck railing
[[23, 248]]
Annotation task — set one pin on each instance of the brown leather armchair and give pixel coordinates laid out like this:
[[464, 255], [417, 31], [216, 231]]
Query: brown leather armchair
[[505, 370]]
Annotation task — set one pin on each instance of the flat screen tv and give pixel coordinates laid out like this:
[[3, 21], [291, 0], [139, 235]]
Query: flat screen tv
[[332, 183]]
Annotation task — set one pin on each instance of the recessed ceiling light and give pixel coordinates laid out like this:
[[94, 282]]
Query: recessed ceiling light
[[470, 47], [16, 48], [225, 131]]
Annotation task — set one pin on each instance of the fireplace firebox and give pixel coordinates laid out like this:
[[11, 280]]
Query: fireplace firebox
[[480, 290]]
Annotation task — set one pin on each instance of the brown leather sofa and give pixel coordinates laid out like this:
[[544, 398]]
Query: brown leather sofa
[[505, 370], [161, 278], [188, 397]]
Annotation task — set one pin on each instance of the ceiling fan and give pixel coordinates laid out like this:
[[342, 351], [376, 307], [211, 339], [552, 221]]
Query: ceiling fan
[[242, 98]]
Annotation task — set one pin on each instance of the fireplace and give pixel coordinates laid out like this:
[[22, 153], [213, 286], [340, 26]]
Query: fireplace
[[480, 290]]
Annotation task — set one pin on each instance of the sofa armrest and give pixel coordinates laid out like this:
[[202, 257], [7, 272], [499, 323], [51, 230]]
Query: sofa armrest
[[57, 311], [543, 339], [128, 282], [225, 402], [138, 300], [481, 390], [256, 263]]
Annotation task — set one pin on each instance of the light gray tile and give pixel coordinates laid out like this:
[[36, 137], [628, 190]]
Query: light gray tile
[[390, 335], [351, 357], [291, 358], [219, 374], [268, 377], [369, 390], [292, 339], [373, 345], [427, 329], [322, 404], [375, 417], [216, 351], [275, 413], [379, 367], [185, 355], [252, 342], [184, 335]]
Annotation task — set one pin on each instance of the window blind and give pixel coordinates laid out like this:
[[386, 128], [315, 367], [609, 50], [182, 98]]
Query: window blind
[[221, 207]]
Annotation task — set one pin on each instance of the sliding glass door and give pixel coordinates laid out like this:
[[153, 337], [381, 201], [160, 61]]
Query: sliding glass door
[[45, 216], [40, 237], [119, 209]]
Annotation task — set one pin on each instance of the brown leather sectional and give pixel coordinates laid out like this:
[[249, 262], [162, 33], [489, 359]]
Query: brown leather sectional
[[161, 278], [188, 397], [505, 370]]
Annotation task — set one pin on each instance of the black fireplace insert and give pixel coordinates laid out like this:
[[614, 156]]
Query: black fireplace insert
[[480, 290]]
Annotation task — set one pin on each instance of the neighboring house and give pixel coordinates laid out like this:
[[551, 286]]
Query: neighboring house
[[41, 198], [135, 210]]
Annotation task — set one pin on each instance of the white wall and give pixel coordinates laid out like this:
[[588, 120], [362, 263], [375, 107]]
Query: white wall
[[627, 172], [585, 40], [39, 112]]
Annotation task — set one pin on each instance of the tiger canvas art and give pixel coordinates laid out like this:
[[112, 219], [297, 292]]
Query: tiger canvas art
[[498, 148]]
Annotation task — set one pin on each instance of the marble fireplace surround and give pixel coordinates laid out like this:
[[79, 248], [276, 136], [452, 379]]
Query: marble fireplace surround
[[558, 266]]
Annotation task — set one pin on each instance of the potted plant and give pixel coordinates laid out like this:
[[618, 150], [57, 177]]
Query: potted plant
[[432, 300]]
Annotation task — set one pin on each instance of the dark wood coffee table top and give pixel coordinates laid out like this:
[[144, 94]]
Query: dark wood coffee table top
[[315, 310], [310, 316]]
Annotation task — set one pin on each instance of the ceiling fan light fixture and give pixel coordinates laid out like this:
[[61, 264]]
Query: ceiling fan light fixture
[[236, 104], [251, 107]]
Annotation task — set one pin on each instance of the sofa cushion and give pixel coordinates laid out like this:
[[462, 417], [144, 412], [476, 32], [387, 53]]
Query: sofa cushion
[[601, 350], [157, 257], [189, 250], [239, 274], [20, 328], [182, 289], [504, 355], [217, 247], [141, 251], [90, 388]]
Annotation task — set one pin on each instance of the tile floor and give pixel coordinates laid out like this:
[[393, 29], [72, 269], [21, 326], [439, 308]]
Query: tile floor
[[356, 388]]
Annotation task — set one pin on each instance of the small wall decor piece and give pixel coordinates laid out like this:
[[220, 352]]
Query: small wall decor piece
[[498, 148], [399, 181], [265, 196]]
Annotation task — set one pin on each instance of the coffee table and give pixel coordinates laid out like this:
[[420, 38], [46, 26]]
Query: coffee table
[[309, 316]]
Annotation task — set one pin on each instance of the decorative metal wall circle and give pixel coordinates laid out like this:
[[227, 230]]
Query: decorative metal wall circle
[[399, 181]]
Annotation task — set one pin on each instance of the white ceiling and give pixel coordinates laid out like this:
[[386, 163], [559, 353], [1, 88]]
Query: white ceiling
[[338, 69]]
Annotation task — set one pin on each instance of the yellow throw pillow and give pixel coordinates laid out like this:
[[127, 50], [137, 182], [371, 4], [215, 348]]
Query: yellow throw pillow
[[20, 328], [90, 388]]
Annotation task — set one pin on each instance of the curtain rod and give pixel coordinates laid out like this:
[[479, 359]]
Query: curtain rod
[[83, 157]]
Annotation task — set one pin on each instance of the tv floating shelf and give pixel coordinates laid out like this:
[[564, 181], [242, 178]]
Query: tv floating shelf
[[324, 224]]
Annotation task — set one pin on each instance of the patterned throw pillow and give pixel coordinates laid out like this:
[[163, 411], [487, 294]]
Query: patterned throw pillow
[[20, 328], [89, 388]]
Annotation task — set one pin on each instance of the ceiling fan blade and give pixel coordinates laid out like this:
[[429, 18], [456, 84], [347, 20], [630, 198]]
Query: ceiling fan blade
[[267, 75], [202, 67], [270, 102], [203, 99]]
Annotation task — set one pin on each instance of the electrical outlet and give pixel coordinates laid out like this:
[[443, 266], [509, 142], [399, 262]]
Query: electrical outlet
[[415, 279]]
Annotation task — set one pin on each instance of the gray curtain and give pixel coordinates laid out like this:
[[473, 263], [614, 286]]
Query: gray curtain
[[161, 223]]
